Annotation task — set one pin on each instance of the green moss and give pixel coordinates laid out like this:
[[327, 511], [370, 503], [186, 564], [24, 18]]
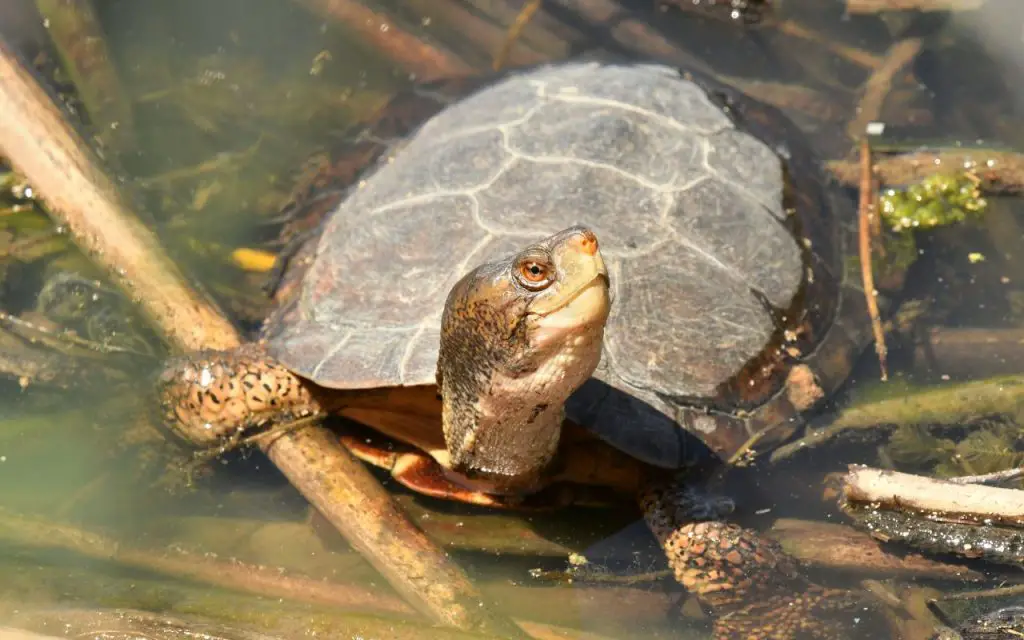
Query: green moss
[[938, 200]]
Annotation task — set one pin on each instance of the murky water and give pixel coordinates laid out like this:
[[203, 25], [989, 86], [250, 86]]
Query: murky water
[[231, 98]]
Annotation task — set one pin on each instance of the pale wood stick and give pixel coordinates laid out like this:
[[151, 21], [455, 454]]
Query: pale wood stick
[[940, 498], [43, 147], [875, 6]]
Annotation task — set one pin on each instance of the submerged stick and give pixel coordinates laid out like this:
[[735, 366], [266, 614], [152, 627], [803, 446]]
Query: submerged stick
[[53, 158], [47, 151], [857, 56], [77, 36], [426, 61], [938, 499], [1001, 172], [238, 576], [995, 544], [945, 404], [501, 57], [865, 231], [610, 19], [879, 84], [876, 6], [962, 353], [837, 546]]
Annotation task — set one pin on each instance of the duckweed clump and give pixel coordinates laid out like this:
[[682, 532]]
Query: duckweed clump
[[938, 200]]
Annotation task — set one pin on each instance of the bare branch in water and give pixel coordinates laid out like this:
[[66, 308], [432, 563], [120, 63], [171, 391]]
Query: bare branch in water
[[50, 154], [1001, 172], [938, 499], [79, 40], [866, 215], [426, 61], [880, 82], [876, 6]]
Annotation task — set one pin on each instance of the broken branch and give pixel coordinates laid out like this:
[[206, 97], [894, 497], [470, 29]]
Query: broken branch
[[876, 6], [939, 499]]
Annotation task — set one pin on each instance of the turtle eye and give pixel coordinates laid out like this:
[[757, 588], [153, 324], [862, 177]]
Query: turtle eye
[[533, 274]]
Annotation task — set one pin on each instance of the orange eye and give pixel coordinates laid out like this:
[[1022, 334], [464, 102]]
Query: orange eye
[[534, 275]]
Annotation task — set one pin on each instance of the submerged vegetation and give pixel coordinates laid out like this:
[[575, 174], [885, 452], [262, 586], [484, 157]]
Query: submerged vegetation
[[938, 200]]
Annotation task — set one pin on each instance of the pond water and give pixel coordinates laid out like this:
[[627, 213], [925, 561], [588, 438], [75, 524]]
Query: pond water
[[229, 100]]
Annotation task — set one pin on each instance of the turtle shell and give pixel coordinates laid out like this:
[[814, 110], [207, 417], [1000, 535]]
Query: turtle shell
[[726, 246]]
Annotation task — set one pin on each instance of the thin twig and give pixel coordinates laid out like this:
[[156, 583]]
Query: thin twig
[[998, 592], [879, 84], [859, 57], [523, 19], [865, 214], [34, 332], [426, 61], [989, 478], [876, 6]]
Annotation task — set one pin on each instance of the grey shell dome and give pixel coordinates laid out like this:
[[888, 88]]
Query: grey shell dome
[[688, 210]]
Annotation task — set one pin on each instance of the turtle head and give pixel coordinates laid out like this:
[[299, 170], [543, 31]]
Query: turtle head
[[519, 335]]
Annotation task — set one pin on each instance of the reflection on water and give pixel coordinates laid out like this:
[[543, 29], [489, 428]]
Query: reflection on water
[[231, 99]]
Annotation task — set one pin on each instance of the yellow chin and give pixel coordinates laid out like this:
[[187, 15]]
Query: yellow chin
[[586, 312]]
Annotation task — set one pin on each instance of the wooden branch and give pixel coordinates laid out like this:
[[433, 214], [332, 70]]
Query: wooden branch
[[961, 353], [78, 39], [53, 158], [1000, 172], [866, 214], [837, 546], [426, 61], [876, 6], [44, 148], [936, 498], [880, 82]]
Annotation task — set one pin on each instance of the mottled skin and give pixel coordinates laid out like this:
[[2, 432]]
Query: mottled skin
[[518, 337], [754, 589]]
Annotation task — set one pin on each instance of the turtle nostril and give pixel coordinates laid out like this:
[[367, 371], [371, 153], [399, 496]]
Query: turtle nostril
[[588, 242]]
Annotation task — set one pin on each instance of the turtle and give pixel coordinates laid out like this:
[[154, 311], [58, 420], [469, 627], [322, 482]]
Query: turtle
[[589, 273]]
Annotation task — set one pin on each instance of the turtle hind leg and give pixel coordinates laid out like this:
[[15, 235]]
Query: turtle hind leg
[[751, 586], [211, 397], [720, 562]]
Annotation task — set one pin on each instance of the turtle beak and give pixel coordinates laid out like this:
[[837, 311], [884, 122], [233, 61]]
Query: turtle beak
[[582, 274]]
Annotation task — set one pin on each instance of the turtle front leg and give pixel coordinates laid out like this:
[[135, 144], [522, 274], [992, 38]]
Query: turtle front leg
[[751, 586], [212, 397]]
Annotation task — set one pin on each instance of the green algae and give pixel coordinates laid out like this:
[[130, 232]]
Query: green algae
[[938, 200]]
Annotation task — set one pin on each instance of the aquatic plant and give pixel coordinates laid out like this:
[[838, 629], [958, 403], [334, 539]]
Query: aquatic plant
[[938, 200]]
